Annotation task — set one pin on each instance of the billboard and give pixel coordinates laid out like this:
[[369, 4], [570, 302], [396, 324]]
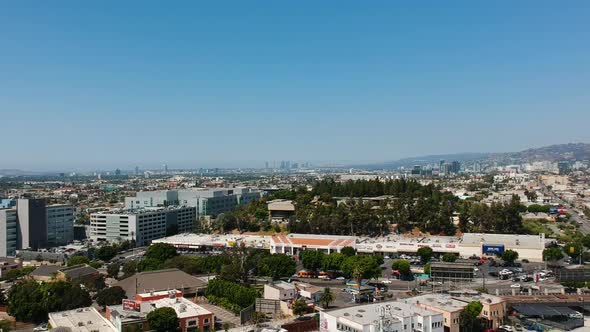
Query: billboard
[[492, 249], [130, 305]]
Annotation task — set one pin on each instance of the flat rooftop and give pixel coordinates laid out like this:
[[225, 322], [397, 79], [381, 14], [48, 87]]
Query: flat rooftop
[[510, 240], [469, 295], [283, 285], [215, 240], [183, 307], [314, 240], [409, 239], [143, 210], [442, 301], [368, 313], [82, 320]]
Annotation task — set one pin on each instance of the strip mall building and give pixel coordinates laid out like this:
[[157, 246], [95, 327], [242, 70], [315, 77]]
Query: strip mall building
[[469, 244]]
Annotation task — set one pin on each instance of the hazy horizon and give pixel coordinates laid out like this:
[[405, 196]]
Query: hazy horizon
[[117, 85]]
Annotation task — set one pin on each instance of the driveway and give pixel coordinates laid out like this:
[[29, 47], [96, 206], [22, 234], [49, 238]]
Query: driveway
[[220, 313]]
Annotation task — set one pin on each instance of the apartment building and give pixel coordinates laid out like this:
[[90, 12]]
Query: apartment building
[[385, 316], [141, 225], [208, 202], [8, 232]]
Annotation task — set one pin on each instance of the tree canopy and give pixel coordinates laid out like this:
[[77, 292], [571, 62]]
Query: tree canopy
[[425, 254], [327, 297], [77, 260], [311, 259], [403, 266], [30, 301], [160, 252], [277, 266], [110, 296], [509, 256], [348, 251], [448, 257], [163, 320], [552, 254], [469, 316], [299, 307]]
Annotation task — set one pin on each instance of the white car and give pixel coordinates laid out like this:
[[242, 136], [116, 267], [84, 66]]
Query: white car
[[515, 286], [386, 257], [387, 282], [42, 327], [340, 278]]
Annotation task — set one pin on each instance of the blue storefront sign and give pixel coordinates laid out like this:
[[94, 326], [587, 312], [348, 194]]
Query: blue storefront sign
[[492, 249]]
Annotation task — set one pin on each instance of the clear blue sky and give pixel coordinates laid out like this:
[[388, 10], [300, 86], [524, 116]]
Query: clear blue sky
[[122, 83]]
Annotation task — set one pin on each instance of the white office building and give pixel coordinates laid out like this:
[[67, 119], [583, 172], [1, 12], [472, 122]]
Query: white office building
[[384, 316], [8, 232], [208, 202], [142, 225], [60, 224]]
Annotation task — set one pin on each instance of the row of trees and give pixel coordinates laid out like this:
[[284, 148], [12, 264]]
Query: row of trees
[[409, 206], [498, 218], [230, 295], [350, 266]]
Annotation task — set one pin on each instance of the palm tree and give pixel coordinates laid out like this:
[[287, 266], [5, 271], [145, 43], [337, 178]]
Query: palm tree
[[327, 298]]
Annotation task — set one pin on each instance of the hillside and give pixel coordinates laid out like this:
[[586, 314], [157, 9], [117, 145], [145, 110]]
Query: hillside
[[570, 151]]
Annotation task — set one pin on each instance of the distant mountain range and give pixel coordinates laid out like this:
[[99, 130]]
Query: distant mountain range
[[570, 151]]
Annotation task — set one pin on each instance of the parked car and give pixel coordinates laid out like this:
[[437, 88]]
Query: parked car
[[515, 286]]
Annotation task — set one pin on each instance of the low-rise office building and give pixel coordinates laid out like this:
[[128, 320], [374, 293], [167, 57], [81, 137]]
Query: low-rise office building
[[141, 225], [454, 272], [385, 316], [208, 202]]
